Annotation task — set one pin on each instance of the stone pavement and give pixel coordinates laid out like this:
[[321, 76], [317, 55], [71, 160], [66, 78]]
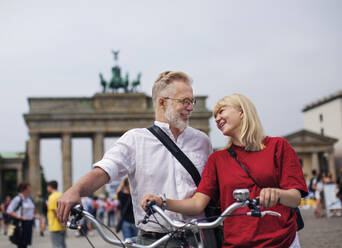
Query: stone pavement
[[317, 233], [320, 232], [72, 240]]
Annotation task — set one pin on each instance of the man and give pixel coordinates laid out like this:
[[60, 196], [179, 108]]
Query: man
[[57, 230], [147, 162]]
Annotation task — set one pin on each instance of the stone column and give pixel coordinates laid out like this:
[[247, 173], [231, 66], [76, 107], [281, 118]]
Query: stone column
[[66, 161], [34, 163], [98, 146], [331, 164], [314, 161], [20, 175]]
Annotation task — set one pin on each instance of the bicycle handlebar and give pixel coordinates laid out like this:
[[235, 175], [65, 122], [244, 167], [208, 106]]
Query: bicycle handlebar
[[78, 212]]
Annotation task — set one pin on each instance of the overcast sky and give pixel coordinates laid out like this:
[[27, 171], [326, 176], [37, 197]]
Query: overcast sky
[[281, 54]]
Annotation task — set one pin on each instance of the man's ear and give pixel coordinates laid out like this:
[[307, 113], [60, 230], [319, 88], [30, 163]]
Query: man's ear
[[161, 102]]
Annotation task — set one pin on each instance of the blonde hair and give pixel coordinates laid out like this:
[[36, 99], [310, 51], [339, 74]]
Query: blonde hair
[[164, 80], [252, 134]]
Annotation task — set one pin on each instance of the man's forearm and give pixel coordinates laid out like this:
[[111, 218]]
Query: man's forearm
[[91, 182], [87, 185]]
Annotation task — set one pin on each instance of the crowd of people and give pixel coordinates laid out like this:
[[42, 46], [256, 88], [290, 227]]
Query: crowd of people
[[316, 191], [39, 213]]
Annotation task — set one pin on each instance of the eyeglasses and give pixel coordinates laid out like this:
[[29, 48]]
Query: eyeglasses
[[185, 101]]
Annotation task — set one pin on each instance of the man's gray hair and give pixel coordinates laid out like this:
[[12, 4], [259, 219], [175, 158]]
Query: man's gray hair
[[164, 80]]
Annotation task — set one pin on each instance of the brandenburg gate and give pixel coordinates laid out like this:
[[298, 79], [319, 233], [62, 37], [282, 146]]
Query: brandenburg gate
[[97, 117]]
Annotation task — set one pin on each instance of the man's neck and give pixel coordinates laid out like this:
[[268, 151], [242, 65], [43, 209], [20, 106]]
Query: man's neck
[[176, 132]]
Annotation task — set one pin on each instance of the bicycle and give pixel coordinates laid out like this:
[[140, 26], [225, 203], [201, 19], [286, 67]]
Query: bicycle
[[178, 227]]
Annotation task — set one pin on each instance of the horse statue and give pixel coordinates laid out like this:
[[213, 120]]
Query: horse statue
[[136, 82], [125, 83], [103, 83]]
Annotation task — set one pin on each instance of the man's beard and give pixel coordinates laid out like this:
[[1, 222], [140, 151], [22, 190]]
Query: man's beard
[[175, 118]]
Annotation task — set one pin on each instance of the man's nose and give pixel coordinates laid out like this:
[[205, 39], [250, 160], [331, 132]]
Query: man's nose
[[190, 107]]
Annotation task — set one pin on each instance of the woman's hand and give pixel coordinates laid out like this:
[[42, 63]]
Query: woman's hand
[[269, 197], [287, 197], [148, 197]]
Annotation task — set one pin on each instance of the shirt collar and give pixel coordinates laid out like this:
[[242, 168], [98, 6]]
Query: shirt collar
[[163, 125], [166, 127]]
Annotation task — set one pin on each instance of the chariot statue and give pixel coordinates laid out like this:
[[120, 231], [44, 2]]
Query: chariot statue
[[117, 82]]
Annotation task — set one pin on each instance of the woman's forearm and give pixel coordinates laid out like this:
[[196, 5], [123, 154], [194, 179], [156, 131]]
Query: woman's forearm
[[191, 206], [290, 197]]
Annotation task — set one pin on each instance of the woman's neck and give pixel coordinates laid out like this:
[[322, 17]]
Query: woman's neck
[[24, 195], [237, 142]]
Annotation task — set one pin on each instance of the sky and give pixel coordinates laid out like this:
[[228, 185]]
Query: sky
[[280, 54]]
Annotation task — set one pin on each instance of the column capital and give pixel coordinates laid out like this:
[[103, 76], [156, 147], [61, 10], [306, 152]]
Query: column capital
[[66, 134], [34, 135]]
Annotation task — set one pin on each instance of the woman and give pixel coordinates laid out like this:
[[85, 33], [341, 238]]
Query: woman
[[6, 216], [21, 208], [319, 211], [126, 222], [270, 161], [39, 203]]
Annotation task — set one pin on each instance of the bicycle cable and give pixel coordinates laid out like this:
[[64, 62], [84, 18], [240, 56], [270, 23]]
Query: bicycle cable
[[85, 235], [115, 235], [172, 233]]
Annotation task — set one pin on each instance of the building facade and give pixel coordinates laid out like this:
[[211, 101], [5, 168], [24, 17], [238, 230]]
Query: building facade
[[324, 116], [13, 170], [315, 151]]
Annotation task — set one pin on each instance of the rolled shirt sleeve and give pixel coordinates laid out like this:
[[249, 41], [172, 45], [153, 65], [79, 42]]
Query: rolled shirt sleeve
[[120, 159]]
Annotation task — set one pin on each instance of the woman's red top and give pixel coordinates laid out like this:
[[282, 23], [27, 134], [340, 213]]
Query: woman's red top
[[276, 166]]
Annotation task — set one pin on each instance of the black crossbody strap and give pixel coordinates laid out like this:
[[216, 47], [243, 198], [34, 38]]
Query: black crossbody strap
[[179, 155], [20, 203], [234, 155]]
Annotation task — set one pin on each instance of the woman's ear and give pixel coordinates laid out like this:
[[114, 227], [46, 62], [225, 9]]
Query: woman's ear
[[241, 114]]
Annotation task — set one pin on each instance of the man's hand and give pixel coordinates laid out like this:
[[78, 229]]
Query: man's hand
[[69, 199], [87, 185], [157, 199]]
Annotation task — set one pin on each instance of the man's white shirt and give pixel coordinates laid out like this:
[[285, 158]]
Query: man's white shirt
[[152, 169]]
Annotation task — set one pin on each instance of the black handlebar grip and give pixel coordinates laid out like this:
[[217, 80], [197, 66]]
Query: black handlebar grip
[[149, 208]]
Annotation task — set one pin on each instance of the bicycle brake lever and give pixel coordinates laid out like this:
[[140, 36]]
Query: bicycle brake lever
[[270, 213], [76, 212], [72, 224], [261, 214], [149, 212]]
